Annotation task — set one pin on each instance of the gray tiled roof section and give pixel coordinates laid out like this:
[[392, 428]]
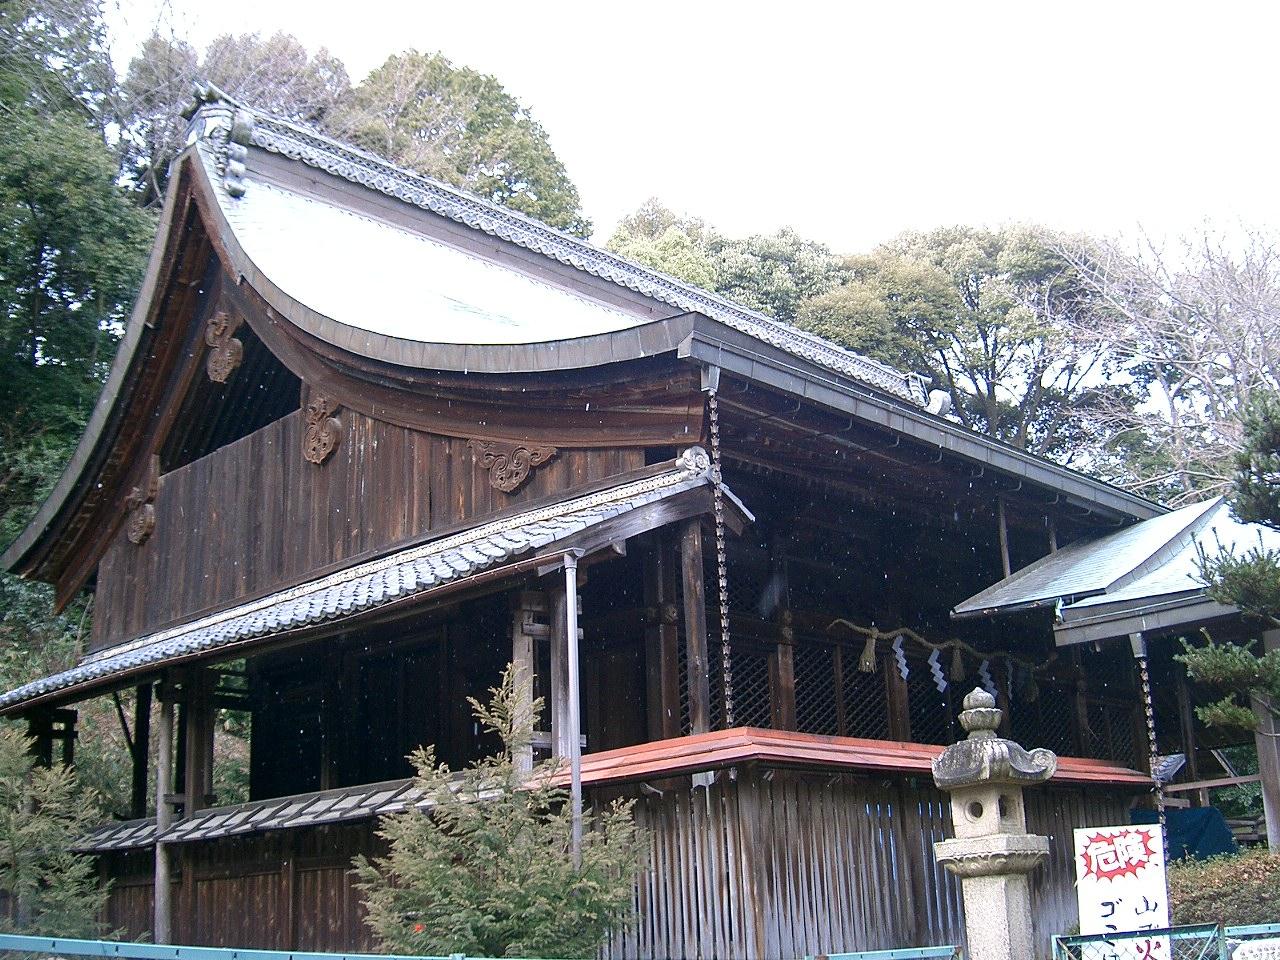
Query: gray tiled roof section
[[308, 810], [1180, 571], [394, 577], [1089, 567], [233, 122]]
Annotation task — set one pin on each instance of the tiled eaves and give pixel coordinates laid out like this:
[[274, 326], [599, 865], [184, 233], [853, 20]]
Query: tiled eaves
[[369, 585]]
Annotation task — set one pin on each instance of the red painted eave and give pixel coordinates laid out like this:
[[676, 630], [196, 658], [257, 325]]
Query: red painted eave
[[726, 748]]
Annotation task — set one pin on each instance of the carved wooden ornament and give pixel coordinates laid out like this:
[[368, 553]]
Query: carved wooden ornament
[[509, 463], [324, 430], [225, 351], [140, 504]]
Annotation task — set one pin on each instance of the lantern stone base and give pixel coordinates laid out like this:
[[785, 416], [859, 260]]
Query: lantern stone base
[[1001, 853], [997, 901]]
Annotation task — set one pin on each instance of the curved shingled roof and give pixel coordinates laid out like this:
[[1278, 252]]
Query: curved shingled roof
[[227, 130]]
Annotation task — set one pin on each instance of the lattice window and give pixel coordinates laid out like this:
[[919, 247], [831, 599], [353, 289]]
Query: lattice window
[[1046, 721], [1112, 732], [815, 689], [866, 701], [930, 710], [751, 705]]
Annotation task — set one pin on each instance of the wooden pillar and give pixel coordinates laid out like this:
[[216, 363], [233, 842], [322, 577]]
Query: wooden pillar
[[524, 621], [561, 721], [1187, 722], [837, 672], [695, 625], [331, 721], [782, 665], [162, 920], [662, 639], [1267, 739], [899, 701], [1004, 536], [141, 751], [40, 733], [1080, 703], [197, 707], [782, 677]]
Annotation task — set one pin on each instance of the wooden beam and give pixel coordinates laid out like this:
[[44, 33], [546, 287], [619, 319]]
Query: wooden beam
[[695, 625], [1187, 721], [1198, 785], [141, 751]]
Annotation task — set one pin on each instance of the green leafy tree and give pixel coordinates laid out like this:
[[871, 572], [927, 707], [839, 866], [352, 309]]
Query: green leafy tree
[[774, 273], [1249, 580], [461, 126], [483, 866], [50, 890], [995, 316]]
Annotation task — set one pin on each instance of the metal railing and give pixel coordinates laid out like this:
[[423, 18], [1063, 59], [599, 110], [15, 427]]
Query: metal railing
[[1208, 941], [63, 947], [906, 953]]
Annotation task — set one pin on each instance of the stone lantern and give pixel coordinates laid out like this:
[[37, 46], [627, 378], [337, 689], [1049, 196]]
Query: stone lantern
[[992, 853]]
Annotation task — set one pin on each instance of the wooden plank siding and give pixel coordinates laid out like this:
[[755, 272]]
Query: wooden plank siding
[[770, 864], [255, 516]]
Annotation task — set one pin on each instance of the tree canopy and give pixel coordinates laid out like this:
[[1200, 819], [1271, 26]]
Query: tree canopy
[[461, 126]]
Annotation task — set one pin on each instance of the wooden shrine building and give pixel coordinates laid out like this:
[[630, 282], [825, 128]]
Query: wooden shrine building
[[358, 424]]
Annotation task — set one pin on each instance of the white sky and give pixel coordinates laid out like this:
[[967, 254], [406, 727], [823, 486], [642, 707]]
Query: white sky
[[849, 122]]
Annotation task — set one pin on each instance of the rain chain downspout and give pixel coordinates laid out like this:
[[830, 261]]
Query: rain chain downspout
[[1139, 645], [575, 720], [712, 376]]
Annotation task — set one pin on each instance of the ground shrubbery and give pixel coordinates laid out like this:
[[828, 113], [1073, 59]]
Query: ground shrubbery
[[1238, 889]]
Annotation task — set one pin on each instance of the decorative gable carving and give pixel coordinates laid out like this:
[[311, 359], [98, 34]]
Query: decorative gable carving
[[140, 504], [509, 463], [225, 351], [323, 432]]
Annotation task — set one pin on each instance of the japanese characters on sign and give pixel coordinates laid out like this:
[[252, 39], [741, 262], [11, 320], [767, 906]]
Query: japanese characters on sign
[[1120, 884]]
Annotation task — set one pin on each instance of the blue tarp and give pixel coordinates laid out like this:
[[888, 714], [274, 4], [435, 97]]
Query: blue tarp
[[1197, 832]]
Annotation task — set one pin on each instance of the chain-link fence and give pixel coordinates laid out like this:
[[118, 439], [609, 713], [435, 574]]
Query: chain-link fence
[[1201, 942]]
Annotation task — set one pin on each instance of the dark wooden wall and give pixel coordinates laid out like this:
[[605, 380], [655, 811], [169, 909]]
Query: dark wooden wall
[[785, 866], [255, 515], [288, 890]]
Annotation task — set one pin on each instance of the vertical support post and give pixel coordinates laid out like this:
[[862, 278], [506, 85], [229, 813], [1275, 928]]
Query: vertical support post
[[561, 722], [662, 638], [141, 751], [695, 625], [198, 772], [575, 720], [1187, 721], [40, 732], [1268, 741], [899, 701], [525, 667], [837, 672], [1004, 536], [161, 925], [331, 725], [1053, 534], [782, 676]]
